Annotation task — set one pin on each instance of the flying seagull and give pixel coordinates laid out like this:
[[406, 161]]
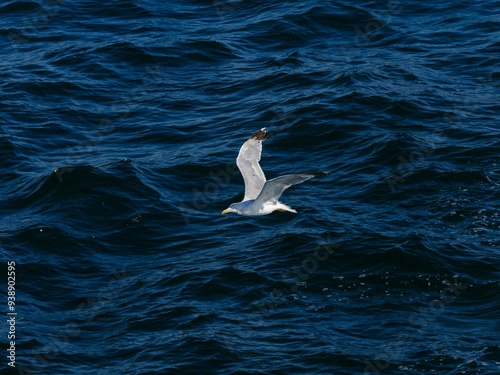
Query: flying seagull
[[261, 196]]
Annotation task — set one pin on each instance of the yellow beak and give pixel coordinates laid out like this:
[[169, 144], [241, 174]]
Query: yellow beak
[[225, 211]]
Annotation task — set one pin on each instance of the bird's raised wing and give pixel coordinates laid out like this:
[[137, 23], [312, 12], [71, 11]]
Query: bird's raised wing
[[248, 163], [273, 189]]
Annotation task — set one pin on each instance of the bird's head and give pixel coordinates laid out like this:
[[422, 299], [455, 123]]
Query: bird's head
[[231, 208]]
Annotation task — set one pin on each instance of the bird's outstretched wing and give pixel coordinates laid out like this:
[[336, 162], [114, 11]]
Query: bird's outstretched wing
[[273, 189], [248, 163]]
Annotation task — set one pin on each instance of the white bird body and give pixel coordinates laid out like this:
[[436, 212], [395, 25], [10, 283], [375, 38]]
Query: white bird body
[[261, 196]]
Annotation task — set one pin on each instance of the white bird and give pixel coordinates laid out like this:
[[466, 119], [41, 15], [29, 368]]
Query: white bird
[[261, 196]]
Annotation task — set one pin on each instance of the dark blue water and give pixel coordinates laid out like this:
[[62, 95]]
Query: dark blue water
[[120, 125]]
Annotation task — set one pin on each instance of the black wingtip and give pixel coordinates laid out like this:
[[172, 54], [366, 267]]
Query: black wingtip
[[319, 174], [260, 135]]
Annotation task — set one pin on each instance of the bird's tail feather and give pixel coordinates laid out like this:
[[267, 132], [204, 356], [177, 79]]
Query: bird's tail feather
[[284, 207]]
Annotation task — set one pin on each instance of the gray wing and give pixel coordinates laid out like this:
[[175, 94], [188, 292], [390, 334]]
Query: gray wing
[[274, 188], [248, 163]]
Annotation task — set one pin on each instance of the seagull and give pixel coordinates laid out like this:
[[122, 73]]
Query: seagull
[[261, 196]]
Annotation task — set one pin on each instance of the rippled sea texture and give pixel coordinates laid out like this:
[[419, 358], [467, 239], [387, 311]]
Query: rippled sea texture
[[121, 122]]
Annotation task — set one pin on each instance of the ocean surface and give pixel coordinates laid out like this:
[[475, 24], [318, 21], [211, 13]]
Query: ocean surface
[[120, 125]]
